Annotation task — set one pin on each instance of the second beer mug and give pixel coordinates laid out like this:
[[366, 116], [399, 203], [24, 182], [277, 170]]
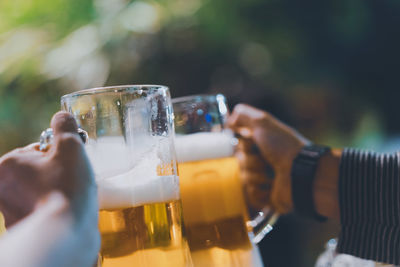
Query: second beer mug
[[214, 209], [130, 145]]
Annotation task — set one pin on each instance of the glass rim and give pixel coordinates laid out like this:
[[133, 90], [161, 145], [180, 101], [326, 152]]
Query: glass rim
[[186, 98], [115, 88]]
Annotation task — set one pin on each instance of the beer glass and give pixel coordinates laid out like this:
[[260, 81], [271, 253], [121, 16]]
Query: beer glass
[[131, 147], [214, 208]]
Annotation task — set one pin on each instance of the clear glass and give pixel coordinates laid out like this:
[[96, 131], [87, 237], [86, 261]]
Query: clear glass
[[214, 209], [131, 147]]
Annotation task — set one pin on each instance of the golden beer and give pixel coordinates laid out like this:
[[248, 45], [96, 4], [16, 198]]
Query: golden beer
[[2, 224], [214, 209], [148, 235], [140, 218]]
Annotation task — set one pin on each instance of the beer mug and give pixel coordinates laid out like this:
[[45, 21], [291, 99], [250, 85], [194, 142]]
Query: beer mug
[[215, 212], [131, 147]]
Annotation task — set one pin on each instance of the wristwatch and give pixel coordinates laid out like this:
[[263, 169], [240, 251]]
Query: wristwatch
[[303, 175]]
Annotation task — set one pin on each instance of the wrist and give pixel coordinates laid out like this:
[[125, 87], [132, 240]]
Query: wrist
[[325, 188], [303, 176], [283, 190]]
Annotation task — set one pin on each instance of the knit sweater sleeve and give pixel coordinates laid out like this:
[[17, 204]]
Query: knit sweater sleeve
[[369, 196]]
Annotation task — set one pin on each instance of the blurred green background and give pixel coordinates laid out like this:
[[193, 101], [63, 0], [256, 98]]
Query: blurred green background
[[329, 68]]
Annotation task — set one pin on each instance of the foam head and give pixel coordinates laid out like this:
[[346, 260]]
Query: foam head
[[207, 145], [122, 191], [126, 180]]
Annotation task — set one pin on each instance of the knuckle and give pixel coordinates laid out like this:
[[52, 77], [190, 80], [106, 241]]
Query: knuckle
[[69, 140], [261, 117], [63, 116], [239, 108]]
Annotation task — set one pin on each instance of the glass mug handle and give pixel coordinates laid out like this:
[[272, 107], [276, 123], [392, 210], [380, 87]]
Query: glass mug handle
[[262, 224], [47, 136], [263, 221]]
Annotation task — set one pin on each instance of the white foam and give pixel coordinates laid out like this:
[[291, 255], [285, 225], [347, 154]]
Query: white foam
[[127, 177], [122, 191], [109, 156], [207, 145]]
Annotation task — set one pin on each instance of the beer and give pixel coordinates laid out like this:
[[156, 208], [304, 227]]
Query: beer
[[147, 235], [140, 218], [214, 209], [2, 224]]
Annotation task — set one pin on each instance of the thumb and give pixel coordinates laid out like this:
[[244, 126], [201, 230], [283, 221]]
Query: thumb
[[66, 138], [245, 117], [63, 122]]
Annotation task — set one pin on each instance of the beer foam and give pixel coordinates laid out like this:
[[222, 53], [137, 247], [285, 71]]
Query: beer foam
[[109, 156], [122, 191], [201, 146], [128, 177]]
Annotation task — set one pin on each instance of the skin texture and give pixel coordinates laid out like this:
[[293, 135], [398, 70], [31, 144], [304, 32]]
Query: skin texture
[[266, 170], [49, 203]]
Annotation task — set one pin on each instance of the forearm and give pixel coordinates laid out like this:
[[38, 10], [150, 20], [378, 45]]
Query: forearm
[[36, 236], [362, 189], [51, 236]]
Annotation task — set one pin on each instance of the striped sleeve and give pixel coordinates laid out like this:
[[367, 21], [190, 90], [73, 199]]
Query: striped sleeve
[[369, 196]]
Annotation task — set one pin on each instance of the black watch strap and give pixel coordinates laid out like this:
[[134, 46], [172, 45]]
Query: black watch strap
[[303, 175]]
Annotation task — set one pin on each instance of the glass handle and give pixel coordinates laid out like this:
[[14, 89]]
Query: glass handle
[[47, 136], [262, 224]]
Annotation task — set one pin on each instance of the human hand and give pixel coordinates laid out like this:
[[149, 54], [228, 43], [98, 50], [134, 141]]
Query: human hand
[[28, 174], [278, 145], [49, 202], [255, 173]]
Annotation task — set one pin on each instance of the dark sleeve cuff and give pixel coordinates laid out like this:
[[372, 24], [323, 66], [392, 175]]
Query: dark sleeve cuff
[[369, 196]]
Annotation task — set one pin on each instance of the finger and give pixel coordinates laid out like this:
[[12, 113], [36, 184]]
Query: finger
[[259, 195], [69, 161], [257, 199], [256, 177], [20, 187], [32, 147], [247, 145], [63, 122], [250, 161], [67, 146], [66, 138], [28, 152], [254, 162], [244, 116], [32, 150]]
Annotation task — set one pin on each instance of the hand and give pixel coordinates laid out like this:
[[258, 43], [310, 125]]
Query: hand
[[278, 145], [27, 174], [255, 174], [49, 202]]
